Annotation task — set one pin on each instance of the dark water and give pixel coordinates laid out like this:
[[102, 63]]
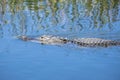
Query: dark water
[[21, 60]]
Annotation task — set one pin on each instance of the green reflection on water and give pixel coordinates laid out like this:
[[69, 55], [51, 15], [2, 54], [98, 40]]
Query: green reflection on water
[[67, 14]]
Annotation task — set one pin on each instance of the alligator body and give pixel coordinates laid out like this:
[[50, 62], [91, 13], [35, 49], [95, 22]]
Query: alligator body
[[94, 42], [85, 42]]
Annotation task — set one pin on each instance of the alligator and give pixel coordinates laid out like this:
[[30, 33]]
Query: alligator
[[84, 42]]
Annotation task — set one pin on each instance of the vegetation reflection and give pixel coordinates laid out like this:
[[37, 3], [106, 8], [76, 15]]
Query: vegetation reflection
[[57, 15]]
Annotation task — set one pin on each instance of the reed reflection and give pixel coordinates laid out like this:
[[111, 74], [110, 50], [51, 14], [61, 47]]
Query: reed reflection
[[37, 16]]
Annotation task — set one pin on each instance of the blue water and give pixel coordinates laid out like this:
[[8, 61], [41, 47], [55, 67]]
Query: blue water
[[21, 60], [32, 61]]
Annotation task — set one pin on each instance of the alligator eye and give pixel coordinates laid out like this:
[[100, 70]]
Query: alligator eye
[[64, 40], [42, 37]]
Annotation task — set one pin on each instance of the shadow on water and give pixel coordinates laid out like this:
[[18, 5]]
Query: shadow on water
[[21, 60]]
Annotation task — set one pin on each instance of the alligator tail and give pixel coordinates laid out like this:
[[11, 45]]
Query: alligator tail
[[115, 43], [102, 44]]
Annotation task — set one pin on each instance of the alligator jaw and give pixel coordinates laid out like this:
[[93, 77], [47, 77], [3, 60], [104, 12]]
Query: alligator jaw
[[25, 38]]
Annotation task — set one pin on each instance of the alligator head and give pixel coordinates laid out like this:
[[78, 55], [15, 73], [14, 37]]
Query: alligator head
[[50, 39]]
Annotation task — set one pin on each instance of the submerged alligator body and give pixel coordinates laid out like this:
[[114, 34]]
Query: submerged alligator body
[[85, 42]]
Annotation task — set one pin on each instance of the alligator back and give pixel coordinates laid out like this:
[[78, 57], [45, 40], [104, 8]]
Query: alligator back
[[92, 42]]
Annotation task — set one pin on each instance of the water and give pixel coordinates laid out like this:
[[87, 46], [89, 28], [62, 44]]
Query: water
[[21, 60]]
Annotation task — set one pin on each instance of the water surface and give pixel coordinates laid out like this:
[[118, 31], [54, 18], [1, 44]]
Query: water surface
[[21, 60]]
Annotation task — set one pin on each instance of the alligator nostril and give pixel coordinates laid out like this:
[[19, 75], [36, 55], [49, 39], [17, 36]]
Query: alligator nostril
[[25, 38]]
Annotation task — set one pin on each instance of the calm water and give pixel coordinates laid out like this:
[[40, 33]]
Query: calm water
[[21, 60]]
